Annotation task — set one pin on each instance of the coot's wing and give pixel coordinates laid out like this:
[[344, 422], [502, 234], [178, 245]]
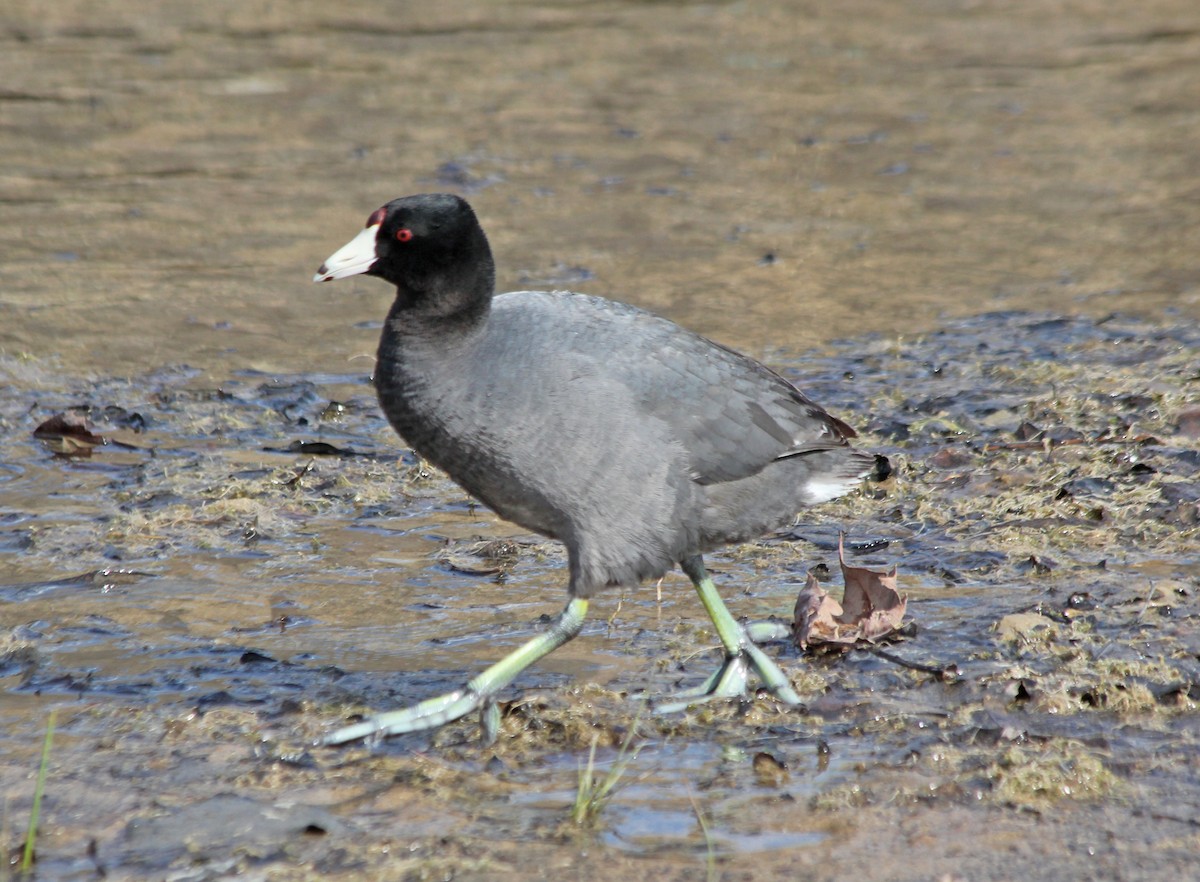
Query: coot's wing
[[733, 415]]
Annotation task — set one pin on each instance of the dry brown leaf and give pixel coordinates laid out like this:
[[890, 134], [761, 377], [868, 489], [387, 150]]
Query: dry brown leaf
[[816, 615], [871, 608], [69, 434]]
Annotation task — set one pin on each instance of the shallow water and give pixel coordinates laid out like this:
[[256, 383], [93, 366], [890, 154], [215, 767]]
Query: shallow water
[[778, 176]]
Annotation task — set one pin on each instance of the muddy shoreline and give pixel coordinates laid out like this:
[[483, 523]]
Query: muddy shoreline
[[239, 613]]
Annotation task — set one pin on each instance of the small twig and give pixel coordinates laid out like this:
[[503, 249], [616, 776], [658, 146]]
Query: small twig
[[1044, 443], [950, 672], [616, 612], [1149, 600], [1162, 816]]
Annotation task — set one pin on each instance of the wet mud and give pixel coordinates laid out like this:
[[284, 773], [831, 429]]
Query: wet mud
[[969, 231]]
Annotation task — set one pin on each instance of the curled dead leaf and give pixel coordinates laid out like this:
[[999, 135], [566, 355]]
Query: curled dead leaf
[[69, 434], [871, 608], [769, 770]]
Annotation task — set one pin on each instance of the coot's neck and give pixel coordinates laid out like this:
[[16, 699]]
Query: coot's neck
[[436, 317], [444, 295], [411, 327]]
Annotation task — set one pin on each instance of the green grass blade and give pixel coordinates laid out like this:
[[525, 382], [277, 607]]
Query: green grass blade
[[592, 795], [710, 846], [586, 791], [31, 834]]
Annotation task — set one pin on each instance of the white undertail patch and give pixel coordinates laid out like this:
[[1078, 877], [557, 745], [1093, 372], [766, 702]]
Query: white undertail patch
[[825, 489]]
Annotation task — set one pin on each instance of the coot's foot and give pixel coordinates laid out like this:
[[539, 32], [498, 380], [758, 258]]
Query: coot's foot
[[729, 681], [479, 694], [428, 714], [741, 651]]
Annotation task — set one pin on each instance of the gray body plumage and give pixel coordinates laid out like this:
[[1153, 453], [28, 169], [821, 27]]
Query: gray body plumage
[[630, 439]]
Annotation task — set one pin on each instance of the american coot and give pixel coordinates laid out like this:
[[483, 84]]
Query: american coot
[[634, 442]]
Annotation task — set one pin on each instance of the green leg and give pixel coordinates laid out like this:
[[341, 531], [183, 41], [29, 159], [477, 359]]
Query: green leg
[[740, 652], [479, 694]]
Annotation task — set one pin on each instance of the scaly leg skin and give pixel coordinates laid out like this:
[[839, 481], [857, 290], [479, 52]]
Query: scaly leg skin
[[479, 694], [740, 652]]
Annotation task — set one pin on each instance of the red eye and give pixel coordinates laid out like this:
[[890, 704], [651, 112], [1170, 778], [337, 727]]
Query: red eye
[[404, 234]]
